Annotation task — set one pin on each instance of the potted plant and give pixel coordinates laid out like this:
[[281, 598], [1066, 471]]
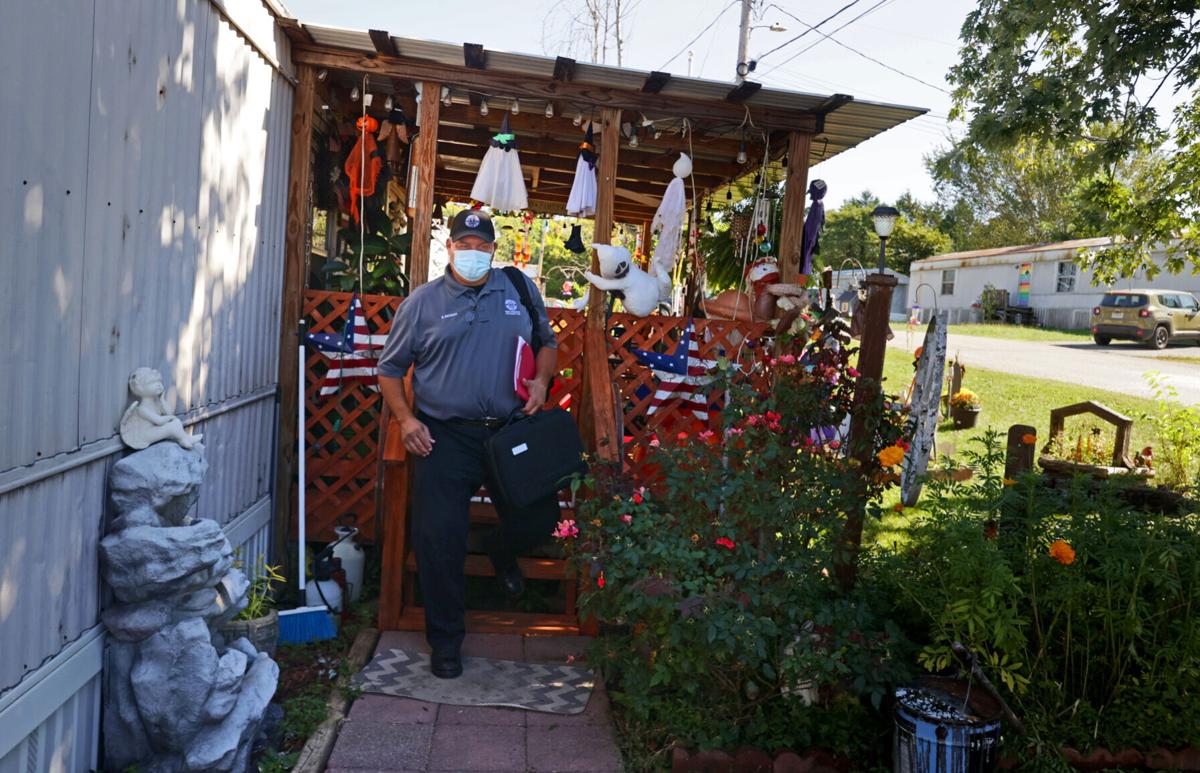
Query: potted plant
[[964, 409], [259, 621]]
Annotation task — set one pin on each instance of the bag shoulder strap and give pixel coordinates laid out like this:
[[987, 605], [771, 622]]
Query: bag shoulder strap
[[521, 284]]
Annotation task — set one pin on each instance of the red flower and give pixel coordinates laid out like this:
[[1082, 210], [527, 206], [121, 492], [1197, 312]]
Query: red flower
[[637, 499], [774, 417], [682, 436], [726, 543], [600, 580], [752, 420]]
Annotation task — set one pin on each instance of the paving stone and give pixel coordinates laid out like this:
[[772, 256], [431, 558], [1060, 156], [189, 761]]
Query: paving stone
[[481, 715], [592, 749], [596, 713], [382, 746], [388, 708], [555, 649], [478, 748], [412, 641], [498, 646]]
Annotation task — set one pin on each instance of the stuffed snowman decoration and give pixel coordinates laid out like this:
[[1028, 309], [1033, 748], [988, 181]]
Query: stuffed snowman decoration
[[639, 291]]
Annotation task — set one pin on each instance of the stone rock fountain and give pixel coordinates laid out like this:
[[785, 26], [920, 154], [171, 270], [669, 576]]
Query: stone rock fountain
[[177, 697]]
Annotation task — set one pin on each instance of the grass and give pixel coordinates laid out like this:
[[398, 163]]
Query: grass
[[1190, 360], [1019, 333], [1007, 399]]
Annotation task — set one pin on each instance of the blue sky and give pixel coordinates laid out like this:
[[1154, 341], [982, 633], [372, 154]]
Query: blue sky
[[916, 36]]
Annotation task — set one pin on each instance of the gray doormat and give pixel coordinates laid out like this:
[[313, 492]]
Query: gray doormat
[[484, 682]]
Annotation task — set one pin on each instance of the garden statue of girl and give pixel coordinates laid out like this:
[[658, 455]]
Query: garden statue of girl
[[146, 420]]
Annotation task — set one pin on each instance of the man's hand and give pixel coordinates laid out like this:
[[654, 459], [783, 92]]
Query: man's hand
[[416, 437], [537, 395]]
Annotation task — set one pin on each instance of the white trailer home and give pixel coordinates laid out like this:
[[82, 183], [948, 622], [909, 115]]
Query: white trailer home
[[1042, 277]]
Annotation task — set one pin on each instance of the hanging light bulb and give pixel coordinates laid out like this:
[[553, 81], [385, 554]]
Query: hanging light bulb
[[446, 96], [741, 156], [516, 106], [657, 134], [388, 103], [729, 194], [549, 109], [354, 94], [322, 74], [483, 107], [578, 119], [633, 140]]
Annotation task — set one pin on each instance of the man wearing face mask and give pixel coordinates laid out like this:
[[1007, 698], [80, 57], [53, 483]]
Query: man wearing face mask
[[459, 334]]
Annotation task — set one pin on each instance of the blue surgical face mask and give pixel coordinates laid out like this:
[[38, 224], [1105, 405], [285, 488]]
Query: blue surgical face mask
[[472, 264]]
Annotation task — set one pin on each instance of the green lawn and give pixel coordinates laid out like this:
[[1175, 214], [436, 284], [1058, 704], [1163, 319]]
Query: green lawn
[[1018, 333], [1007, 399]]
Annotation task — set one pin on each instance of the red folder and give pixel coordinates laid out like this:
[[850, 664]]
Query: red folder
[[524, 367]]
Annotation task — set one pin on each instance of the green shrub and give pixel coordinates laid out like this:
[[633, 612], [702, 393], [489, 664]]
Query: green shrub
[[1176, 435], [718, 573], [1083, 609]]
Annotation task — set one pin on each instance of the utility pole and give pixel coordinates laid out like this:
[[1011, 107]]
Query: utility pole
[[743, 67]]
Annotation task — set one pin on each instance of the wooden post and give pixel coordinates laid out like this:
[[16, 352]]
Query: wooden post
[[1019, 458], [295, 261], [647, 243], [870, 368], [597, 422], [424, 159], [791, 233]]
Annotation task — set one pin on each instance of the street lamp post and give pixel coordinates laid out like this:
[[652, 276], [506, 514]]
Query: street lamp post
[[885, 220]]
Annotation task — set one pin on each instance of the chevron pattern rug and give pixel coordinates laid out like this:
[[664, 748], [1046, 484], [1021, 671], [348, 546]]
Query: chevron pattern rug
[[484, 682]]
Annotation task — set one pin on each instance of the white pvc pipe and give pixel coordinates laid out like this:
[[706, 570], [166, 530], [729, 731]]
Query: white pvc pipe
[[300, 486]]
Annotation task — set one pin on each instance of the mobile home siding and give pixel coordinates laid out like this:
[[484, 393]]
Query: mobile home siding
[[144, 206]]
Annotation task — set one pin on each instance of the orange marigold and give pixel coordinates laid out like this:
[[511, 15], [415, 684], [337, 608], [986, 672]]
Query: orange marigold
[[1009, 482], [1028, 439], [891, 456], [1062, 552]]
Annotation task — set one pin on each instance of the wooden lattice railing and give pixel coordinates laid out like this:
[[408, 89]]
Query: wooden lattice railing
[[342, 429], [714, 338]]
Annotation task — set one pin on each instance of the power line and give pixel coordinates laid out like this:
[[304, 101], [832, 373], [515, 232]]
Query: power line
[[868, 57], [873, 8], [833, 15], [698, 36]]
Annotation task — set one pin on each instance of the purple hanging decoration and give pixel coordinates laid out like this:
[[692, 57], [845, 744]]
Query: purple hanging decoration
[[811, 244]]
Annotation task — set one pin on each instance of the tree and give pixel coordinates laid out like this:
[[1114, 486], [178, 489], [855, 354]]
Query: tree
[[1020, 194], [1051, 72], [583, 28], [849, 233]]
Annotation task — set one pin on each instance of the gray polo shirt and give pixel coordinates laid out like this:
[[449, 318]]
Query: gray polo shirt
[[462, 341]]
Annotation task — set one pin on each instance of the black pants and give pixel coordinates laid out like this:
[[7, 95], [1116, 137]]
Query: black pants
[[443, 484]]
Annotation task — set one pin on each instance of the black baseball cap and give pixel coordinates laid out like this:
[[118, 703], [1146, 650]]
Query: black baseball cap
[[472, 222]]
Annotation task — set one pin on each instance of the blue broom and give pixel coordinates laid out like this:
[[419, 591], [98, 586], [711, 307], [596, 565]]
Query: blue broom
[[303, 624]]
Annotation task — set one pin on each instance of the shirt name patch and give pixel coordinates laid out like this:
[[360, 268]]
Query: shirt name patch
[[511, 308], [451, 314]]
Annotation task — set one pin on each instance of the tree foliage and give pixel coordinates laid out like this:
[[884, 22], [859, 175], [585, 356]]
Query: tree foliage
[[1053, 72], [849, 234]]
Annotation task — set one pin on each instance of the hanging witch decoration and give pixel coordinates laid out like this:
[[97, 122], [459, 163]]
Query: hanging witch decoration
[[810, 244], [499, 183], [582, 201]]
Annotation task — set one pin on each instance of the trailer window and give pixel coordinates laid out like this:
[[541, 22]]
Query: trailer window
[[948, 281], [1066, 276]]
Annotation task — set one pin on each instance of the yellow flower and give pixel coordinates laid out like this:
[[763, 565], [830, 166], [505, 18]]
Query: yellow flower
[[1009, 482], [1062, 552], [695, 538], [891, 456], [596, 522]]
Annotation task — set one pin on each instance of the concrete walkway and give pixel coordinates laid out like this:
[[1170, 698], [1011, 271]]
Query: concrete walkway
[[1116, 368], [383, 733]]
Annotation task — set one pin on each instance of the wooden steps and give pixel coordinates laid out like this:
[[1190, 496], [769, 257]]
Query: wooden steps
[[533, 568], [529, 623]]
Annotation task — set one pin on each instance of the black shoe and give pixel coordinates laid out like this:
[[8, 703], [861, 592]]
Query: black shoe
[[512, 580], [446, 665]]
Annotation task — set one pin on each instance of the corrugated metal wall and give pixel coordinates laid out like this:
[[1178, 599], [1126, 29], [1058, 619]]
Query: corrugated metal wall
[[143, 198]]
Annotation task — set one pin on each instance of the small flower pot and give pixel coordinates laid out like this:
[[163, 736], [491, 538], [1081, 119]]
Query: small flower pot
[[263, 632], [964, 417]]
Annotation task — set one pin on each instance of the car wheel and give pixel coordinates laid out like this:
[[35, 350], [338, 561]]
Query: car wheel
[[1160, 337], [1102, 340]]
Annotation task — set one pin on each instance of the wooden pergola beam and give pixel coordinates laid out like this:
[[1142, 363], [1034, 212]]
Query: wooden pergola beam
[[791, 232], [564, 68], [655, 81], [743, 91], [382, 40], [474, 56], [424, 160], [504, 84], [561, 127], [295, 262]]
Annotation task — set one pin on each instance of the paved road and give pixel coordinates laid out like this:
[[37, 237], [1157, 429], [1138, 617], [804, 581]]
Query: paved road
[[1117, 368]]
